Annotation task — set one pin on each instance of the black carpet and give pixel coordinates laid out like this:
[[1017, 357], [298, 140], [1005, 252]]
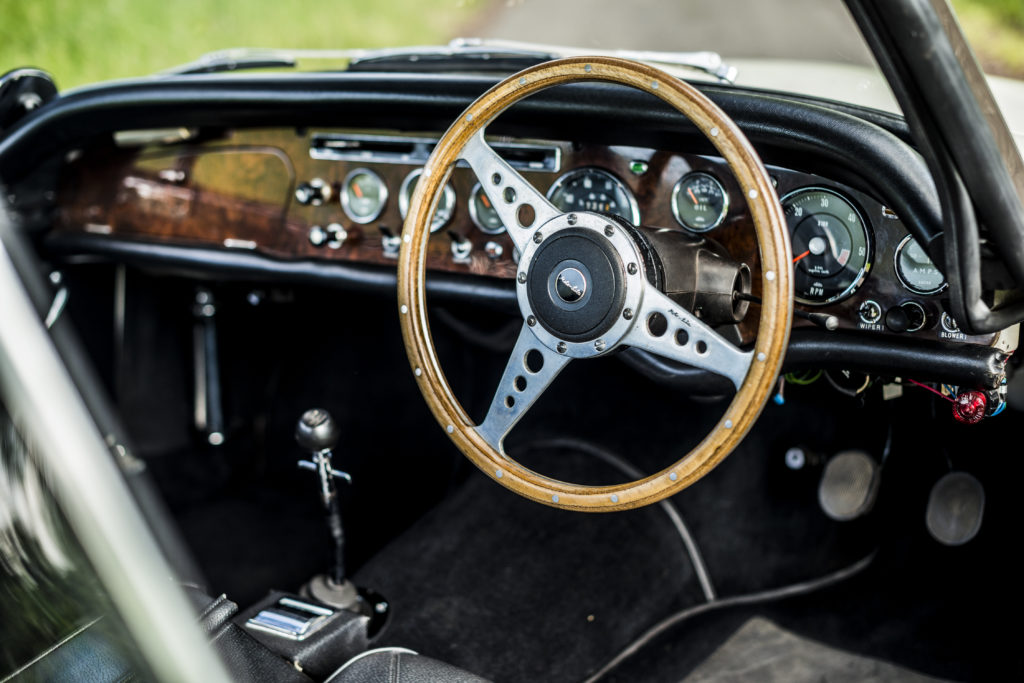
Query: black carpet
[[516, 591]]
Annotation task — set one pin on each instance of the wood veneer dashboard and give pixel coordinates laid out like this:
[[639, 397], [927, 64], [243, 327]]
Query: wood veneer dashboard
[[237, 190]]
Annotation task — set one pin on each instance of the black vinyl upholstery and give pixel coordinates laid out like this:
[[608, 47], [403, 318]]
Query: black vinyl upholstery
[[398, 665]]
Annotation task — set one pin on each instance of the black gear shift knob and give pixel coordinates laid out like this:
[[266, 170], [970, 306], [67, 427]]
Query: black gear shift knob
[[317, 431]]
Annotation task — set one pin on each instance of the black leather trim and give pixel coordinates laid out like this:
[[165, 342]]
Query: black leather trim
[[217, 613], [861, 148], [226, 264], [394, 665], [84, 655], [971, 365], [966, 364], [249, 661]]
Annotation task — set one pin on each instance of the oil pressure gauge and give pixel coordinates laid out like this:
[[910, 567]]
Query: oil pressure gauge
[[699, 202]]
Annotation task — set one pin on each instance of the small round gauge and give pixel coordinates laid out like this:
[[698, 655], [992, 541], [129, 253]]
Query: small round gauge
[[699, 202], [831, 245], [445, 205], [482, 212], [594, 189], [363, 195], [916, 270]]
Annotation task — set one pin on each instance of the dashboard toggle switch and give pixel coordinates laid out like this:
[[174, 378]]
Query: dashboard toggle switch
[[461, 247], [390, 243]]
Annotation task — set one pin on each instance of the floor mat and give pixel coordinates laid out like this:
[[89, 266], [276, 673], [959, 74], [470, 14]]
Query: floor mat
[[761, 652], [518, 591]]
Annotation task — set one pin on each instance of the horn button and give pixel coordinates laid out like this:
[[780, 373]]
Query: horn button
[[575, 285]]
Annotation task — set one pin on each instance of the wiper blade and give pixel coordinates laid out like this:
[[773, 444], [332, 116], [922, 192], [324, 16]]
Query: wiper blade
[[461, 53], [237, 59], [708, 62]]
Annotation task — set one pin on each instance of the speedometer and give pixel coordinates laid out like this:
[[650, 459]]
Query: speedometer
[[831, 245], [594, 189]]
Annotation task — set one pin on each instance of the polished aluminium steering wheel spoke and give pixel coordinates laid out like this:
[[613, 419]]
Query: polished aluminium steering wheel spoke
[[530, 370], [685, 338], [521, 207]]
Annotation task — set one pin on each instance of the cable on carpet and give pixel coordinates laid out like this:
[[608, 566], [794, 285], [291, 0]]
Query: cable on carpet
[[696, 559], [771, 595]]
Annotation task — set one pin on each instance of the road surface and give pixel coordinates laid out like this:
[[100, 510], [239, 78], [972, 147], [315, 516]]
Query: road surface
[[798, 29]]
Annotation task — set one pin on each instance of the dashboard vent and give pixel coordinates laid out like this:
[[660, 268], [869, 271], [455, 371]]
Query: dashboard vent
[[396, 149]]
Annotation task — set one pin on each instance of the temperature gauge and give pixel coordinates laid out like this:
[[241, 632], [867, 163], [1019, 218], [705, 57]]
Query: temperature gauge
[[445, 205], [483, 214], [363, 195], [699, 202]]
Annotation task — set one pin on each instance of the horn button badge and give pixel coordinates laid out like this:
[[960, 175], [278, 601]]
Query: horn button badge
[[569, 285], [576, 286]]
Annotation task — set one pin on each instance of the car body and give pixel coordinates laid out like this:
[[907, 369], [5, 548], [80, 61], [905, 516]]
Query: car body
[[192, 260]]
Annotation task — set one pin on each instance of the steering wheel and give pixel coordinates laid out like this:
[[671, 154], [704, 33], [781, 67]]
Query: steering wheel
[[583, 291]]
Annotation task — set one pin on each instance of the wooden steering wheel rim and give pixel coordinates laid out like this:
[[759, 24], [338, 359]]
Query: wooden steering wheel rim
[[776, 307]]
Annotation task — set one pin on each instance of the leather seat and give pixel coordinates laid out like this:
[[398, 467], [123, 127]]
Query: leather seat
[[399, 665]]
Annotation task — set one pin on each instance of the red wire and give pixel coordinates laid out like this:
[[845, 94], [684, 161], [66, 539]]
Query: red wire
[[925, 386]]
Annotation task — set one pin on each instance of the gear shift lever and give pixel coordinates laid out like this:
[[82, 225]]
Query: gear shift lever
[[317, 432]]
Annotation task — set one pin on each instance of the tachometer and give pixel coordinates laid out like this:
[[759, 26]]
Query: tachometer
[[831, 245], [594, 189]]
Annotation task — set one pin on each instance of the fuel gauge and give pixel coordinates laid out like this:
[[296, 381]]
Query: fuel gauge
[[699, 202], [363, 195]]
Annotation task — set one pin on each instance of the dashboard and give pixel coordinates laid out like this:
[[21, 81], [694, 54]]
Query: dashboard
[[340, 195]]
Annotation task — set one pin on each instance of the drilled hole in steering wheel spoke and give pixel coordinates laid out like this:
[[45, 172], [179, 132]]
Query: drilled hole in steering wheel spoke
[[682, 337], [519, 383], [534, 361], [657, 324], [525, 215], [508, 194]]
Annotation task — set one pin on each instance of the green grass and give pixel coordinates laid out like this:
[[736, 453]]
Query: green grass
[[83, 41], [995, 30]]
